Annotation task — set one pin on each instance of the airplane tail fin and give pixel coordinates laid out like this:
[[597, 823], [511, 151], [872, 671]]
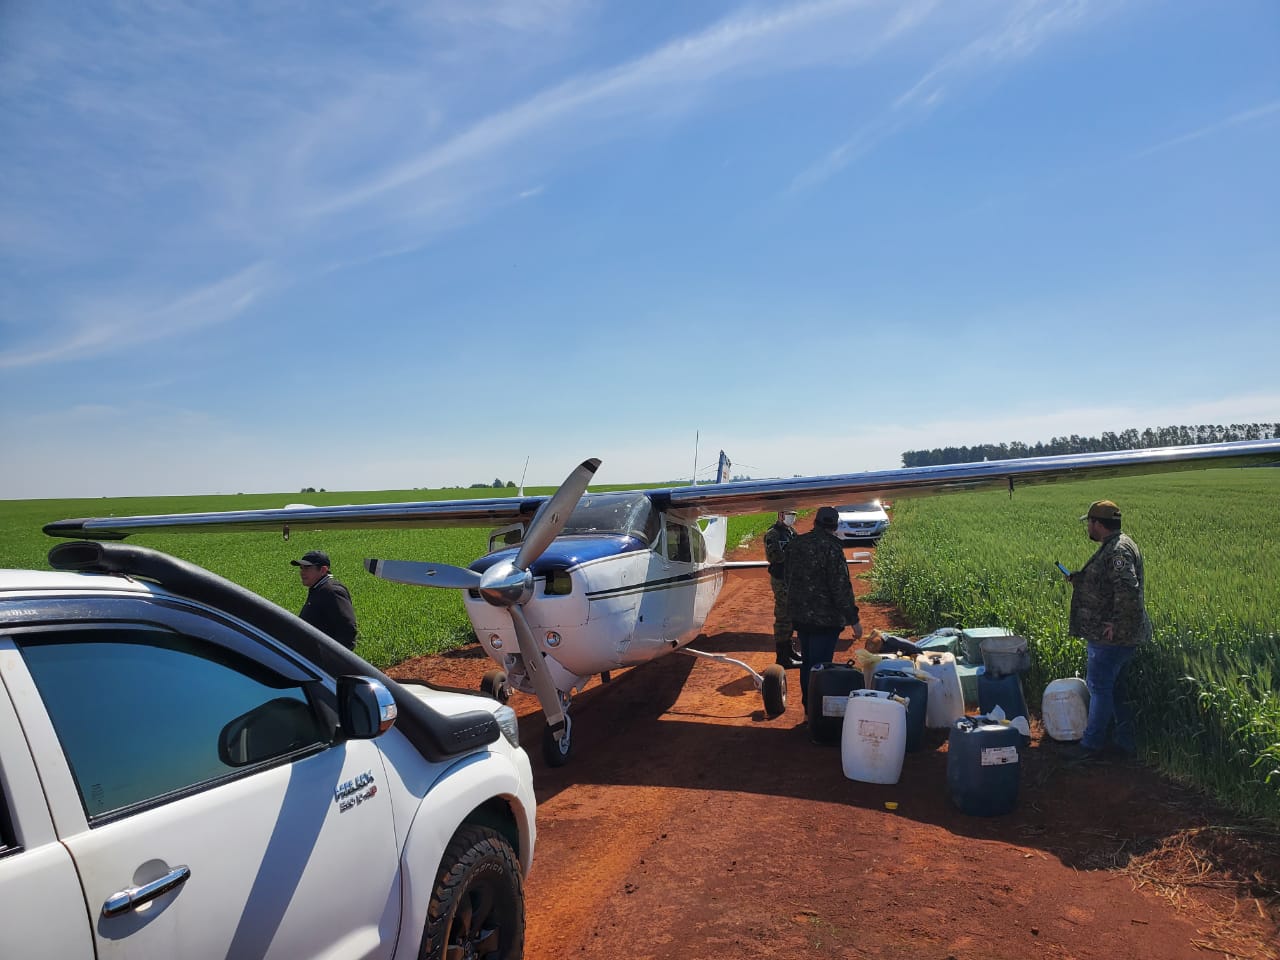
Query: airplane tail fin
[[722, 470]]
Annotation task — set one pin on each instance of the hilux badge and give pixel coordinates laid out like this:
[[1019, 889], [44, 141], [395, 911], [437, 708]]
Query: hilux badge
[[353, 792]]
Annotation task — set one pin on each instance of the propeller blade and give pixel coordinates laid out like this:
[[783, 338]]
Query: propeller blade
[[537, 672], [424, 574], [550, 520]]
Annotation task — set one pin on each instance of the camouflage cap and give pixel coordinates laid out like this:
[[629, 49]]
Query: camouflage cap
[[1102, 510], [826, 517]]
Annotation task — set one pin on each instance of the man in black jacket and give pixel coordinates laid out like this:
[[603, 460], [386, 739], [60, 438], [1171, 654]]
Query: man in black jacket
[[328, 607], [819, 593]]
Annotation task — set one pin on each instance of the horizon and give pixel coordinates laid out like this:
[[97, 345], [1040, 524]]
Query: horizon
[[395, 247]]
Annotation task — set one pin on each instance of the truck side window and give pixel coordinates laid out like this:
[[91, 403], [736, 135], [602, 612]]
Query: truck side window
[[144, 713]]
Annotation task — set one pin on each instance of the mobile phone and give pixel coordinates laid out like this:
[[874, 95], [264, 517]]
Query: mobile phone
[[1065, 571]]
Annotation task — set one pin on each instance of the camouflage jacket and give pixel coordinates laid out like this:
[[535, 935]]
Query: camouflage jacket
[[819, 591], [1109, 589], [776, 539]]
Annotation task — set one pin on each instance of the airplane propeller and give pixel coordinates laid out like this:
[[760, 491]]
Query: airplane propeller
[[424, 574], [509, 584]]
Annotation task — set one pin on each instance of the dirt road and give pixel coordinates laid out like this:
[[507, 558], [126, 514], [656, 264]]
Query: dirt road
[[688, 825]]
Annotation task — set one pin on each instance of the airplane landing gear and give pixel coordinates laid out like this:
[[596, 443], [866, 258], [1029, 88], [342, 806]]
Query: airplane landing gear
[[773, 689], [556, 752], [772, 684], [494, 684]]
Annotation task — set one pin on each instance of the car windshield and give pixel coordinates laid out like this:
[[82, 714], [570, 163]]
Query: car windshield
[[871, 506]]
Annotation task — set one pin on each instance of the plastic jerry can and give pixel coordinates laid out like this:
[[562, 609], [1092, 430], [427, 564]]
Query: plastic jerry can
[[874, 739], [1004, 692], [983, 767], [916, 692], [946, 697], [829, 687], [1065, 708], [971, 641], [969, 675]]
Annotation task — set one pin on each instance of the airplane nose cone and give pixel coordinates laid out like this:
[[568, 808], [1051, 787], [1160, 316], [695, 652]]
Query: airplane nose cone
[[505, 584]]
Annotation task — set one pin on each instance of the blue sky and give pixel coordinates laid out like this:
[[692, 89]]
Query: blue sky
[[262, 246]]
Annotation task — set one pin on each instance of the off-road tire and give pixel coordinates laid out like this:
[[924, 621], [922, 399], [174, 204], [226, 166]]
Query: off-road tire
[[477, 899]]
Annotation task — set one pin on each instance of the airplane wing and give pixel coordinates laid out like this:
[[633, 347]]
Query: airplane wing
[[369, 516], [757, 496], [720, 499]]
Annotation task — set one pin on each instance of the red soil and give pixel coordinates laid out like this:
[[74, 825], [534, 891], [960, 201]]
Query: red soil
[[688, 825]]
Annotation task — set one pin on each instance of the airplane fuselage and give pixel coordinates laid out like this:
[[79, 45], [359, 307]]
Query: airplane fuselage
[[601, 602]]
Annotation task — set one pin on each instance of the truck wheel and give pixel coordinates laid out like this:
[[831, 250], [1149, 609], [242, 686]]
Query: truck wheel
[[773, 688], [494, 685], [477, 903], [556, 752]]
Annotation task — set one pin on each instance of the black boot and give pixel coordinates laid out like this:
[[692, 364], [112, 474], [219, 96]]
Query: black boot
[[786, 656]]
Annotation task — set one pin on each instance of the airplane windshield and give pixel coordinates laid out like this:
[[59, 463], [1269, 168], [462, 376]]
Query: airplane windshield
[[628, 514]]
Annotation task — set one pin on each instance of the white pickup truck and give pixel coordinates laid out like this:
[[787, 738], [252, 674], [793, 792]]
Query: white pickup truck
[[187, 770]]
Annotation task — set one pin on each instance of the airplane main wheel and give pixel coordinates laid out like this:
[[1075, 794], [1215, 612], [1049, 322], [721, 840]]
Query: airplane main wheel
[[494, 684], [773, 689], [556, 752]]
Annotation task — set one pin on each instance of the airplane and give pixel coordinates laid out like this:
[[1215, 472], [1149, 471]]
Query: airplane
[[578, 584]]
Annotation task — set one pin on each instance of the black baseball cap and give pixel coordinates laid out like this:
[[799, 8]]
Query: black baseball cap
[[312, 558], [827, 517]]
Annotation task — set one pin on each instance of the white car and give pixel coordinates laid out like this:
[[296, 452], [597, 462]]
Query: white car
[[187, 770], [862, 521]]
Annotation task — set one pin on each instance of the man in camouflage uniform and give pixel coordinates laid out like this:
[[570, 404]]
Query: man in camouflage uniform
[[1108, 612], [819, 594], [776, 539]]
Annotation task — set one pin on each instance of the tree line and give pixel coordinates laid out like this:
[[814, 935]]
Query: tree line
[[1131, 439]]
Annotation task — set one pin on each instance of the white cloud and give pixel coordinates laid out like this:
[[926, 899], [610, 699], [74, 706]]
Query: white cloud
[[95, 323], [1029, 26], [1241, 118]]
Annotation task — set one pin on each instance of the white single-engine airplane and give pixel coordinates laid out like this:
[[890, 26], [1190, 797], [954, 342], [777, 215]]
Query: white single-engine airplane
[[578, 584]]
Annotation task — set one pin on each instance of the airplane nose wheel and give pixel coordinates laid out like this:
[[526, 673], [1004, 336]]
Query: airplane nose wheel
[[556, 752], [494, 685]]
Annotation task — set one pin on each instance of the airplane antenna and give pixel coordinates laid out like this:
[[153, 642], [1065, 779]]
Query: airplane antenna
[[694, 481], [520, 492]]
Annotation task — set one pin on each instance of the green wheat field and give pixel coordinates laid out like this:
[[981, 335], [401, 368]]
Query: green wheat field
[[1207, 688]]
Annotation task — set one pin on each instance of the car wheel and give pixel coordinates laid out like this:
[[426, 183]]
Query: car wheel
[[477, 903]]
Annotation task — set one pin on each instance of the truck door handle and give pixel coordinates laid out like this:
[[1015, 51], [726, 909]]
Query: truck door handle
[[131, 897]]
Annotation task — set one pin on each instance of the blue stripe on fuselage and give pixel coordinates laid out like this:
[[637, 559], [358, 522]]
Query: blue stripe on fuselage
[[567, 552]]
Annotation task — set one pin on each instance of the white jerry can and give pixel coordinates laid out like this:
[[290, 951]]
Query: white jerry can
[[873, 742], [946, 697], [1065, 708]]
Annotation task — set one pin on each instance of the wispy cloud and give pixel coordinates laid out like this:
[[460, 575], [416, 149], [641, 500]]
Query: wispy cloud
[[1252, 115], [98, 322], [1030, 26], [288, 164]]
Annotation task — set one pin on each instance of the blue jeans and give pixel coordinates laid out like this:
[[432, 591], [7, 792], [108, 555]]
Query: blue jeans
[[817, 645], [1105, 680]]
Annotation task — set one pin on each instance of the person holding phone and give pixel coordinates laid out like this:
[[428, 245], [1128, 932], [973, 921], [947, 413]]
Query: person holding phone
[[1108, 612]]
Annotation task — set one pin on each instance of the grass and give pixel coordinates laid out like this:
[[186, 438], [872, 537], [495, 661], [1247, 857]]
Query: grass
[[1208, 687], [397, 622]]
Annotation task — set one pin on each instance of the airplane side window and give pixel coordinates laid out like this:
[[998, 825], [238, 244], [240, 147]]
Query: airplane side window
[[678, 547], [699, 544]]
